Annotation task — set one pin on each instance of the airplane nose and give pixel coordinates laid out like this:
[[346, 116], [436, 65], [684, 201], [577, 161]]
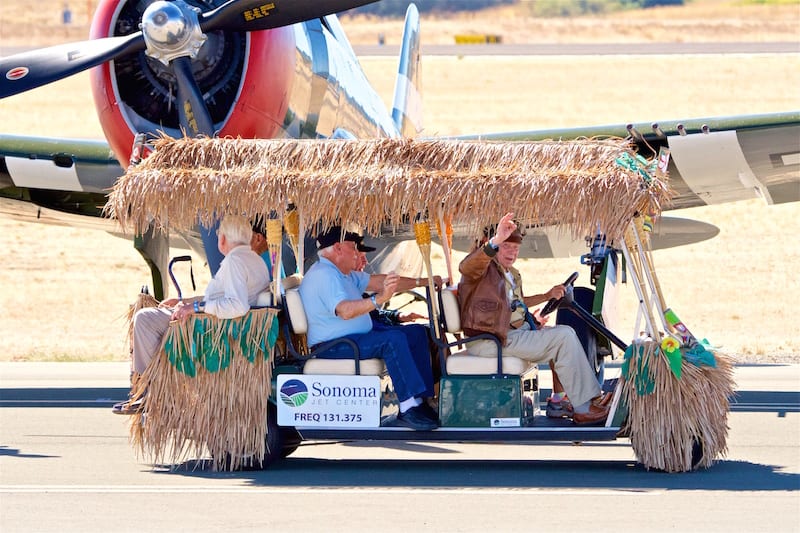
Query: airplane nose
[[164, 24]]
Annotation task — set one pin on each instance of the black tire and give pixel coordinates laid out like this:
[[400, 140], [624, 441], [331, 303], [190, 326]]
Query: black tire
[[291, 441]]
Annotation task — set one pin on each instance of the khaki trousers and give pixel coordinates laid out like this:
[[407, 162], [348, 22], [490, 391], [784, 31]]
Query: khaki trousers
[[149, 327], [559, 344]]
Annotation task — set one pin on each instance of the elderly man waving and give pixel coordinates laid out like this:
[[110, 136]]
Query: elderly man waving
[[489, 284]]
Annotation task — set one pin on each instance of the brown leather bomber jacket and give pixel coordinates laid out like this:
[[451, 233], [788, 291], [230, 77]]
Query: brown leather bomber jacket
[[482, 296]]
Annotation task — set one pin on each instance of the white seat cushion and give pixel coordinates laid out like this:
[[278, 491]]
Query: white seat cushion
[[264, 298], [369, 367], [450, 310], [462, 363], [297, 314]]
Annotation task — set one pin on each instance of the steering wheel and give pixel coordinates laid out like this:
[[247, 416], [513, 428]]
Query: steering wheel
[[554, 303]]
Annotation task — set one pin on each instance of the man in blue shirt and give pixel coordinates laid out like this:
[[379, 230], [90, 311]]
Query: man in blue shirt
[[331, 292]]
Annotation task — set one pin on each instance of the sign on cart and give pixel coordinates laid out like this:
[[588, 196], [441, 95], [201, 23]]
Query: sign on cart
[[329, 401]]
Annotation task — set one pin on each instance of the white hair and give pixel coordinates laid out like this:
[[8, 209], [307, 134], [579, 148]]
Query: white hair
[[237, 229], [325, 252]]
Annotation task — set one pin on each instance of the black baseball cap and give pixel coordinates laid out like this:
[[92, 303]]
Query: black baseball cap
[[259, 227], [361, 247], [334, 235]]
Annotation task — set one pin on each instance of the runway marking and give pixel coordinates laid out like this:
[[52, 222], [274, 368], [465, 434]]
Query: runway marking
[[193, 489]]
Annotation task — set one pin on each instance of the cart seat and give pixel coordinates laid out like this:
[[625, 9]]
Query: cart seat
[[462, 363], [318, 365], [264, 298]]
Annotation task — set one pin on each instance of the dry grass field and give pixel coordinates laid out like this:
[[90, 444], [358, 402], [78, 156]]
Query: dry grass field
[[64, 291], [697, 21]]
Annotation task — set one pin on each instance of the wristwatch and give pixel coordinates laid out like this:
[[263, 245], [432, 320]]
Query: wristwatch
[[199, 306], [374, 302], [490, 248]]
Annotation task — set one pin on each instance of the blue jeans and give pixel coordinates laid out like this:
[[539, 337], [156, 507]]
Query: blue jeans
[[418, 342], [391, 345]]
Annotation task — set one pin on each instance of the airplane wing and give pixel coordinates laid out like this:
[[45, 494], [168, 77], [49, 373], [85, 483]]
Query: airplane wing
[[67, 181], [712, 160], [67, 175]]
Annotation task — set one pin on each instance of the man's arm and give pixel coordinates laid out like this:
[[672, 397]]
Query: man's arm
[[475, 264], [556, 292], [348, 309], [403, 284]]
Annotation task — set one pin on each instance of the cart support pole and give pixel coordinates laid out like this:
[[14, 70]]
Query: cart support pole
[[596, 325]]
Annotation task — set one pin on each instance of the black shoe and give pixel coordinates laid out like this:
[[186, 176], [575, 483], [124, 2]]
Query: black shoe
[[429, 412], [415, 419], [129, 407]]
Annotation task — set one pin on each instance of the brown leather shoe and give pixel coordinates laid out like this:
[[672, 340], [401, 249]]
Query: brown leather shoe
[[603, 400], [597, 414]]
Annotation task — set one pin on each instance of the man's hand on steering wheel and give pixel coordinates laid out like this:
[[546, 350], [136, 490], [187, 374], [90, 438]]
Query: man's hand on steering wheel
[[557, 294]]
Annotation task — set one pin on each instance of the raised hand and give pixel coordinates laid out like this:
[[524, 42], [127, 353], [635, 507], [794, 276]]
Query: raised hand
[[505, 228]]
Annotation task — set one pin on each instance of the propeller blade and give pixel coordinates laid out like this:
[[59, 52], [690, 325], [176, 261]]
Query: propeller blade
[[194, 116], [254, 15], [28, 70]]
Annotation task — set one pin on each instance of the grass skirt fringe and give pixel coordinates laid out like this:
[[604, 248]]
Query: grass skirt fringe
[[223, 412], [665, 420]]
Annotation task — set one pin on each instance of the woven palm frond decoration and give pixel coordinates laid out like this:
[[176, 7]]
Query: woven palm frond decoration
[[669, 417], [208, 389], [578, 184]]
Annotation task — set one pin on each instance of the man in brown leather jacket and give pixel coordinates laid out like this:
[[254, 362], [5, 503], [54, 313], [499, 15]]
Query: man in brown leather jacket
[[489, 284]]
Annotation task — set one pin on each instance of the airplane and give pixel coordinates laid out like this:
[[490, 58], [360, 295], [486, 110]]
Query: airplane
[[285, 69]]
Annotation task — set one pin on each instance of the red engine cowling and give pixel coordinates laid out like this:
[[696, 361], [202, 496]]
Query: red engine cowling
[[246, 80]]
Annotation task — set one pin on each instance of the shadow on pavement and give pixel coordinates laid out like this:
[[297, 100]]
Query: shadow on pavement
[[63, 397], [5, 451], [455, 474]]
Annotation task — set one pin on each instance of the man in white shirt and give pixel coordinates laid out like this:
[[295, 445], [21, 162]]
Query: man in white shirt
[[242, 275]]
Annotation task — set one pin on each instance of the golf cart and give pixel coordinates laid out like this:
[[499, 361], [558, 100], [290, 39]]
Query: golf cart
[[250, 391]]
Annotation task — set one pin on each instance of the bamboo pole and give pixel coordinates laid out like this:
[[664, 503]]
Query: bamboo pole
[[650, 275], [422, 232], [444, 227], [636, 269]]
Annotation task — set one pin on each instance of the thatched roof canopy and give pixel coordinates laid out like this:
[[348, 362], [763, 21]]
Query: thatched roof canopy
[[378, 181]]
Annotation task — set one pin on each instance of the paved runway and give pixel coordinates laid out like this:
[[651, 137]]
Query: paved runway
[[556, 49], [66, 465]]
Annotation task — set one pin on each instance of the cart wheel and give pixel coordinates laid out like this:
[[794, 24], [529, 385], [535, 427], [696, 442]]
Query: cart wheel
[[291, 441]]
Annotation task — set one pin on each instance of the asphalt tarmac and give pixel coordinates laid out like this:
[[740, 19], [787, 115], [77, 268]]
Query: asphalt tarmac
[[558, 49], [66, 465]]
